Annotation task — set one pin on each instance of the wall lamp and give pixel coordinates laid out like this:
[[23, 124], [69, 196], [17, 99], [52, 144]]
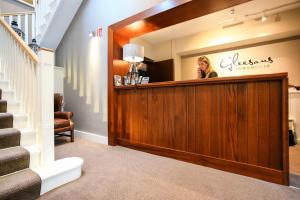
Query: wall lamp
[[263, 17], [96, 33], [92, 33]]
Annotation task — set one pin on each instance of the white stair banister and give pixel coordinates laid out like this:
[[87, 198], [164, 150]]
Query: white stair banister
[[31, 79], [33, 27], [46, 95], [26, 29]]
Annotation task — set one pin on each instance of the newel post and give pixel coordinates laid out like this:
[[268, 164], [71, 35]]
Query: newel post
[[45, 126]]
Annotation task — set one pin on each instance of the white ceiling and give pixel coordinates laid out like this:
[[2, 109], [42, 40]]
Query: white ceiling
[[219, 19]]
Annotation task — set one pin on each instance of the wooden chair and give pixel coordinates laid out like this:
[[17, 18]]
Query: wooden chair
[[62, 120]]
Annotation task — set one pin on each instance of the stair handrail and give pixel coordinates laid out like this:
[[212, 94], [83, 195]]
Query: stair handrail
[[20, 42]]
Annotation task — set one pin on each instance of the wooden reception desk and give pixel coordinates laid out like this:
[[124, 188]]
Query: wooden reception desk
[[236, 124]]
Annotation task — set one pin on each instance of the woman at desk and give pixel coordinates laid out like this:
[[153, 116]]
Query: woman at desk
[[204, 69]]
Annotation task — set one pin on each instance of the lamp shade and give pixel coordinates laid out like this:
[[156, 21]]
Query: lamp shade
[[133, 53]]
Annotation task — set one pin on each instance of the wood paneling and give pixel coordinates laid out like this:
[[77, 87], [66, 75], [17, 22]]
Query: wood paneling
[[252, 123], [242, 131], [231, 114], [275, 126], [191, 122], [180, 118], [232, 121], [263, 94], [161, 71]]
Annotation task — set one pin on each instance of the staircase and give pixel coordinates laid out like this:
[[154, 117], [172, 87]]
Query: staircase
[[27, 165], [48, 23], [53, 19], [17, 181]]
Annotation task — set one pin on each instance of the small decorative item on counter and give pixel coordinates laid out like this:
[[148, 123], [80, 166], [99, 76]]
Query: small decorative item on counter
[[140, 80], [134, 76], [126, 80], [134, 80], [34, 46], [117, 80], [145, 80]]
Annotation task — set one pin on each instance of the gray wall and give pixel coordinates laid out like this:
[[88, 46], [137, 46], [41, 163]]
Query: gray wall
[[10, 6], [85, 60]]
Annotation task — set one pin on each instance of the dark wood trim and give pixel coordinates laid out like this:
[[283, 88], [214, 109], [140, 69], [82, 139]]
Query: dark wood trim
[[285, 131], [158, 9], [262, 173], [234, 79], [162, 15], [111, 133]]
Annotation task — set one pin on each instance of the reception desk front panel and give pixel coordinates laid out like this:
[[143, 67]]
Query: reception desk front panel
[[234, 124]]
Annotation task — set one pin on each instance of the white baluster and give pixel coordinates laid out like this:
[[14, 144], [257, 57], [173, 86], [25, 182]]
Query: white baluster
[[26, 29], [10, 18], [19, 21], [37, 17], [21, 71], [33, 26]]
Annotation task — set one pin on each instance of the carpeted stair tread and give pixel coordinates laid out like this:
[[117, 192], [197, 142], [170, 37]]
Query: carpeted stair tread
[[3, 106], [6, 120], [13, 159], [9, 137], [25, 185]]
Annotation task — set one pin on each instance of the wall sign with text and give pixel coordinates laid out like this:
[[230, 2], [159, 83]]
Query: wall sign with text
[[235, 63], [99, 32]]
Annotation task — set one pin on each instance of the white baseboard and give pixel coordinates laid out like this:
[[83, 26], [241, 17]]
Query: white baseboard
[[92, 137]]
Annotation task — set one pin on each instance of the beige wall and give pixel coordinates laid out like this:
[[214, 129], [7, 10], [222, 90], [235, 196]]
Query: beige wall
[[285, 56], [149, 52], [251, 32], [294, 111], [157, 52]]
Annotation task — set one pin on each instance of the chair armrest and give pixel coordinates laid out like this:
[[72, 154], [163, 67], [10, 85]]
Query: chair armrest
[[63, 115]]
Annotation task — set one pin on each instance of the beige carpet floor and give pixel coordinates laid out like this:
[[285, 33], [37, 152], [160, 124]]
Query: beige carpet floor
[[119, 173], [295, 165]]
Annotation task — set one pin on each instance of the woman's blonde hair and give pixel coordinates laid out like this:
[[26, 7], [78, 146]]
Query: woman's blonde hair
[[209, 68], [204, 59]]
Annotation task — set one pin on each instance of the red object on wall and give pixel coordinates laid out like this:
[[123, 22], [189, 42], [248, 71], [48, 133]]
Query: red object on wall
[[99, 32]]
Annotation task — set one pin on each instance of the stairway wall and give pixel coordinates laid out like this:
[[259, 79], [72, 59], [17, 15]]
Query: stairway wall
[[85, 60]]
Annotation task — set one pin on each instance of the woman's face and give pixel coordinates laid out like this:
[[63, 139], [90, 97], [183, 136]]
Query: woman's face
[[202, 65]]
